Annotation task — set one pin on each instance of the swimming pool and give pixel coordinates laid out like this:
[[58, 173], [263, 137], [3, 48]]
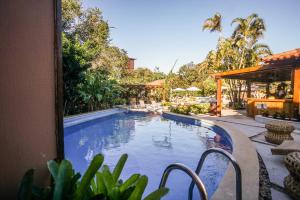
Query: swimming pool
[[152, 143]]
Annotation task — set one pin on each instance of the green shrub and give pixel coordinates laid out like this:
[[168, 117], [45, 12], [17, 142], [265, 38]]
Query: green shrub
[[181, 109], [276, 114], [200, 108], [265, 113], [238, 106], [95, 184], [188, 109], [282, 115], [166, 103]]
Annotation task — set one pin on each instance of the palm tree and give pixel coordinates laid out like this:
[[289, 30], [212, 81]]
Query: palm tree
[[249, 29], [255, 54], [238, 51], [213, 24], [246, 34]]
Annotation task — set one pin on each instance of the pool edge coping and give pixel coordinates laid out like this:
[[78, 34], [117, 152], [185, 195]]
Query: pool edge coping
[[246, 155]]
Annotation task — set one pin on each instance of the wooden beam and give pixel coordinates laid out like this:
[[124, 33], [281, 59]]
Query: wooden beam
[[238, 71], [250, 72], [219, 97]]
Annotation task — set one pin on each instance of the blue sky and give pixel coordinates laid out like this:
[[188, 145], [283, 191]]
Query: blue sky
[[157, 32]]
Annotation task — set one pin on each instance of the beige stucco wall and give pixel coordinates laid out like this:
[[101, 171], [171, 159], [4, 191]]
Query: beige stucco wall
[[27, 89]]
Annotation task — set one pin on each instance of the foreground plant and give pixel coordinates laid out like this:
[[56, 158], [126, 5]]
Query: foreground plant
[[94, 185]]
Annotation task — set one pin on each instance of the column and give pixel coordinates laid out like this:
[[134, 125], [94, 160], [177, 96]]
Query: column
[[296, 95], [219, 97], [248, 89]]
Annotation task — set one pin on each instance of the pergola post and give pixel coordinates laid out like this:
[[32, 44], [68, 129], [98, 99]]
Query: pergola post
[[248, 89], [219, 97], [296, 96]]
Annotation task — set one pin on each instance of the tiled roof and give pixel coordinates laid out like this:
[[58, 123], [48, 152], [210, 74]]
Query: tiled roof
[[284, 56]]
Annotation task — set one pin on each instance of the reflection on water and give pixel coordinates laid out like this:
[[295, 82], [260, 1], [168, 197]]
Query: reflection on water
[[163, 141], [152, 143]]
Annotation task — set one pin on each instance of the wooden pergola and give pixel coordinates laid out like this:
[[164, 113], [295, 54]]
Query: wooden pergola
[[278, 67], [148, 88]]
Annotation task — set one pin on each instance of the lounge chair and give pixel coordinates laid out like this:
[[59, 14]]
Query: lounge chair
[[286, 147]]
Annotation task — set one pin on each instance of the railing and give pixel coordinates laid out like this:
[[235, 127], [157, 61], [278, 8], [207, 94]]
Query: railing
[[234, 163], [195, 178]]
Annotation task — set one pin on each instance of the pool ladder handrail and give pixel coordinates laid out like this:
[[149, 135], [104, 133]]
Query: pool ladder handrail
[[195, 178], [233, 162]]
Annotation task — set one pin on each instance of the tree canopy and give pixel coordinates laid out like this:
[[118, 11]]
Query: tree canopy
[[239, 51]]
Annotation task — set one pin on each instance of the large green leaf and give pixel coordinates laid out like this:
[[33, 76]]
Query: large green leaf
[[119, 167], [115, 194], [129, 182], [63, 180], [108, 179], [94, 186], [74, 181], [25, 189], [100, 184], [139, 188], [88, 176], [53, 168], [126, 194], [157, 194]]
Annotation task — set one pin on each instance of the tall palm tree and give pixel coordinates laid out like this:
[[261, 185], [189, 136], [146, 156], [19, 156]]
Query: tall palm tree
[[249, 29], [246, 34], [213, 24]]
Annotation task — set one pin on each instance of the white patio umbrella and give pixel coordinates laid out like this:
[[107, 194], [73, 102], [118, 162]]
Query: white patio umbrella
[[178, 90], [193, 89]]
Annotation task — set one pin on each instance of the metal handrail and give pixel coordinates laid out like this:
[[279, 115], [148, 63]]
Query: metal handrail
[[233, 162], [195, 178]]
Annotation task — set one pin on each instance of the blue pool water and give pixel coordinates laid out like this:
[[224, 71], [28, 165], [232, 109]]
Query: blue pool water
[[152, 143]]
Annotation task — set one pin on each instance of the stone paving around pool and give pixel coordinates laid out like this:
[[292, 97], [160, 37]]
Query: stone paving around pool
[[255, 130]]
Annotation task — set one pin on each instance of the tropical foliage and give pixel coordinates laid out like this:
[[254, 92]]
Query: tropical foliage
[[99, 91], [85, 40], [239, 51], [213, 24], [96, 75], [97, 183], [142, 75], [242, 49], [194, 75], [94, 70]]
